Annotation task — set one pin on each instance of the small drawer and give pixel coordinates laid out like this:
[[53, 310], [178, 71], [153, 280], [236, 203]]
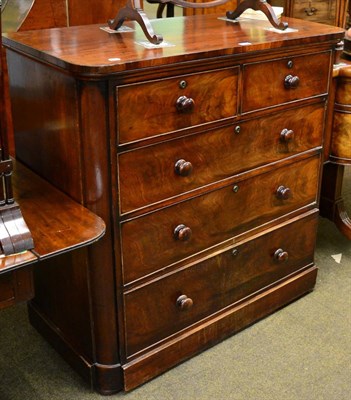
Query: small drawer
[[155, 173], [323, 11], [152, 108], [155, 311], [155, 240], [271, 83]]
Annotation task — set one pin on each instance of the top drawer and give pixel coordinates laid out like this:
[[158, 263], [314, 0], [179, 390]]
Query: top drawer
[[285, 80], [152, 108]]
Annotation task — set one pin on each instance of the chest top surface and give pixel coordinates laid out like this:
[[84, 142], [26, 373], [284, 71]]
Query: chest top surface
[[89, 50]]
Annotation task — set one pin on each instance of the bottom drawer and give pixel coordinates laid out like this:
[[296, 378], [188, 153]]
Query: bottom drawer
[[169, 304]]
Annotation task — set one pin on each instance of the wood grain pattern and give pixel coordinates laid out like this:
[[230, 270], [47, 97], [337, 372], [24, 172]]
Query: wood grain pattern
[[151, 313], [340, 150], [56, 222], [58, 163], [147, 175], [206, 36], [263, 93], [211, 332], [149, 109], [180, 229], [255, 203]]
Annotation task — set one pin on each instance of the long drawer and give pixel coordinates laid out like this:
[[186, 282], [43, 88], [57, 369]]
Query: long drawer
[[160, 238], [154, 173], [157, 310], [284, 80], [156, 107]]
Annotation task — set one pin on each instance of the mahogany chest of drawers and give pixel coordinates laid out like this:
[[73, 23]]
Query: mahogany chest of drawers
[[203, 158]]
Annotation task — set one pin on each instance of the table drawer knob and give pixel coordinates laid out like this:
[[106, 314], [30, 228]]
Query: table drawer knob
[[291, 82], [182, 233], [280, 255], [183, 168], [283, 193], [287, 135], [184, 302], [185, 104]]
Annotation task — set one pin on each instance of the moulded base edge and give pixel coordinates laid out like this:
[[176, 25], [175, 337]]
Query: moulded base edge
[[108, 379]]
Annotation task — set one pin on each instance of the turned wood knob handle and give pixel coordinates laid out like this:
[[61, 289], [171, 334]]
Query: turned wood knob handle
[[182, 233], [283, 193], [183, 168], [184, 302], [280, 255], [287, 135], [185, 104], [291, 82]]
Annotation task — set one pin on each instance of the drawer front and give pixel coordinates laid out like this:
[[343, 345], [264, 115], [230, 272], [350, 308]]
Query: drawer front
[[168, 305], [152, 242], [286, 80], [158, 172], [152, 108], [340, 150], [341, 137], [323, 11]]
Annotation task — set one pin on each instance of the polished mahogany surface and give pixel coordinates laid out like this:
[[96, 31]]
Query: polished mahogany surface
[[338, 149], [192, 182], [57, 223], [92, 51]]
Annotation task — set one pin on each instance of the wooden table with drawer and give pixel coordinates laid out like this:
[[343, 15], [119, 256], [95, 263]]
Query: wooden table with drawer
[[204, 159]]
